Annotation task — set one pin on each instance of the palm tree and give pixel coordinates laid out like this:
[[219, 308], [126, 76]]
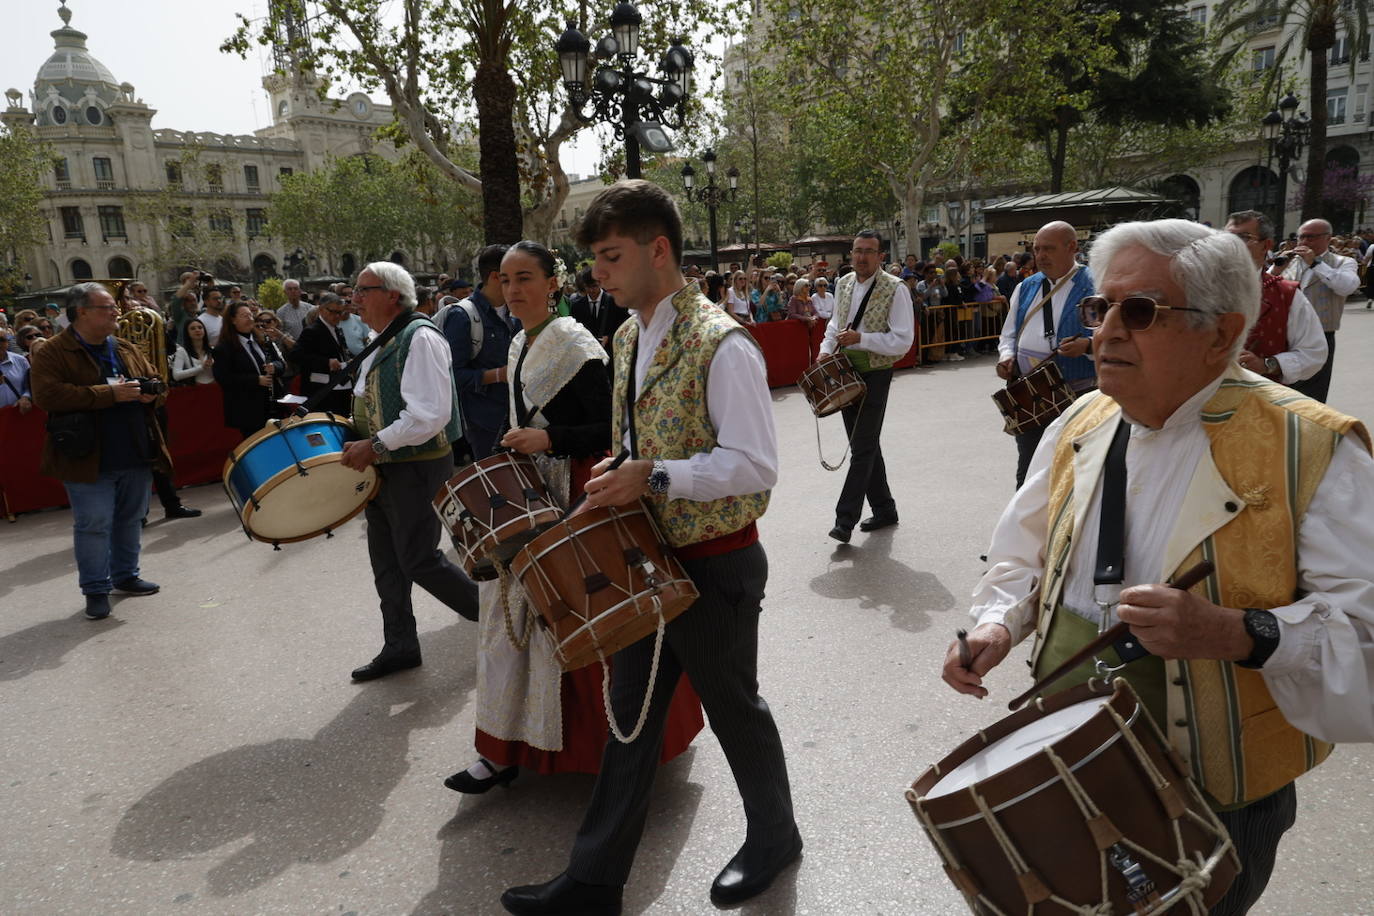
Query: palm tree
[[1312, 27]]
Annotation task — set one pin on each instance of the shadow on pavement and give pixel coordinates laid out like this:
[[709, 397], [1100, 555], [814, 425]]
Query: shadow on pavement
[[876, 580], [489, 842], [44, 645], [299, 800], [39, 568]]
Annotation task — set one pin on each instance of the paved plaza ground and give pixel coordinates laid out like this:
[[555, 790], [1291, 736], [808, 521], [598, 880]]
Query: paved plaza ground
[[203, 750]]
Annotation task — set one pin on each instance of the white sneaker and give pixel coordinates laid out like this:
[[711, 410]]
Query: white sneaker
[[954, 358]]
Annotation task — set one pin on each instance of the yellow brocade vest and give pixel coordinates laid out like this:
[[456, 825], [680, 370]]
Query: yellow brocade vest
[[1270, 448], [671, 416], [874, 320]]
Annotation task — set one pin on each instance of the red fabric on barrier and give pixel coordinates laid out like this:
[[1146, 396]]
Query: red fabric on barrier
[[789, 347], [199, 439], [21, 450], [199, 444]]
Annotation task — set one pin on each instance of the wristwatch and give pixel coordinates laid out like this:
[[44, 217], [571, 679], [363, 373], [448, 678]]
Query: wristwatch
[[1271, 366], [1263, 628], [377, 448], [658, 478]]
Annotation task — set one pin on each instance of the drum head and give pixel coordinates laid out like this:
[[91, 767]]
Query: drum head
[[1016, 747], [296, 507]]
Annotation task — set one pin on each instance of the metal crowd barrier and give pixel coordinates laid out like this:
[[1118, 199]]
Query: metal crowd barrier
[[972, 325]]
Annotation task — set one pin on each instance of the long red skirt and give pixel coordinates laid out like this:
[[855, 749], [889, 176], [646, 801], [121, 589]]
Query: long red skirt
[[585, 730]]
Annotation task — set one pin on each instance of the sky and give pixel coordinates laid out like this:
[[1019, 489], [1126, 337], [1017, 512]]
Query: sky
[[169, 50]]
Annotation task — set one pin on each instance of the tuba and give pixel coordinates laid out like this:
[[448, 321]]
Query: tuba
[[145, 329]]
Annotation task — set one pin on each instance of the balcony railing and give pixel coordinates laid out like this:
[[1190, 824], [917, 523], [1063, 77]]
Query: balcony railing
[[64, 184], [75, 234], [105, 184]]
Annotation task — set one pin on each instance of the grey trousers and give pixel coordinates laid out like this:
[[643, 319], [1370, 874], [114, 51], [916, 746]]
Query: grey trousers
[[1256, 830], [403, 543], [716, 642]]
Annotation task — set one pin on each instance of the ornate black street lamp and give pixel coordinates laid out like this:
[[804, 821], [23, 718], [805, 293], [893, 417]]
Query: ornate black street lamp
[[1286, 130], [639, 107], [713, 195]]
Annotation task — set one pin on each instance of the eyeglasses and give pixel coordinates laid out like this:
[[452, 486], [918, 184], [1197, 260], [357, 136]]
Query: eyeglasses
[[363, 289], [334, 311], [1137, 312], [865, 251], [1246, 236]]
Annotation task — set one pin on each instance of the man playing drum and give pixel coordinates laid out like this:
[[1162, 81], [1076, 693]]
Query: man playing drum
[[1033, 330], [705, 472], [873, 324], [406, 411], [1184, 455]]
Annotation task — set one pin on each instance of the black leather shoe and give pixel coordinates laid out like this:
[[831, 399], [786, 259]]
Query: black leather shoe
[[138, 587], [751, 871], [383, 665], [563, 897], [465, 782], [840, 534], [97, 607], [877, 522], [182, 512]]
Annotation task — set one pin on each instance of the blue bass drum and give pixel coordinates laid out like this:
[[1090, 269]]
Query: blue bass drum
[[287, 481]]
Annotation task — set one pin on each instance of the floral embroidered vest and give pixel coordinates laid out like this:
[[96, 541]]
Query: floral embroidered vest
[[1270, 448], [671, 416], [875, 316], [381, 402]]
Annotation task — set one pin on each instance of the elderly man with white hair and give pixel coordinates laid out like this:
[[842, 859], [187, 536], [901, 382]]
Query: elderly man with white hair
[[406, 411], [1182, 454]]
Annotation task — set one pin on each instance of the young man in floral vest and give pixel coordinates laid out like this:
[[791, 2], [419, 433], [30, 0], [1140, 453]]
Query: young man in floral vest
[[874, 325], [705, 474]]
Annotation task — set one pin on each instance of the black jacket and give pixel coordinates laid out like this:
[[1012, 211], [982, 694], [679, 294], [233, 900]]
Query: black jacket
[[579, 415], [313, 350], [611, 316], [247, 405]]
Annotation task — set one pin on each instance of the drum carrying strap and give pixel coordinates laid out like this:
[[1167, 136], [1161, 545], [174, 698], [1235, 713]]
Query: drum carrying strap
[[849, 443], [1110, 569], [1048, 312], [339, 376]]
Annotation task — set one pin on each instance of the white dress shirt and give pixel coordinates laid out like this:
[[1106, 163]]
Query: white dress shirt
[[426, 391], [1322, 674], [824, 304], [901, 324], [1033, 345], [1326, 285], [745, 459], [1306, 351]]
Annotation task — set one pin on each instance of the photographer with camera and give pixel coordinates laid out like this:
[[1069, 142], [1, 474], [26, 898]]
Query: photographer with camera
[[103, 441]]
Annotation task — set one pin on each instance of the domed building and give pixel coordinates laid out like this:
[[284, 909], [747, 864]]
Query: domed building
[[108, 153]]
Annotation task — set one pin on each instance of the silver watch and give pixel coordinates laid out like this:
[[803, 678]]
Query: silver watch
[[658, 478], [1271, 365], [377, 448]]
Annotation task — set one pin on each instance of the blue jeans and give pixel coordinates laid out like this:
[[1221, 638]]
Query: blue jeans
[[107, 521]]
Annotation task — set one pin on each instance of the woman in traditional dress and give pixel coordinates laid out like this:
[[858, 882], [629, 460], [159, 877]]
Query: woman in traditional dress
[[530, 714]]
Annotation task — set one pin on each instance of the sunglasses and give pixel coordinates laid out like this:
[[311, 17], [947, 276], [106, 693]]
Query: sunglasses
[[1137, 312]]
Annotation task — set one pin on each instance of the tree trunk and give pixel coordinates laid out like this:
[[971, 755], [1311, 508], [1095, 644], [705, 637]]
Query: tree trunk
[[1318, 48], [1059, 153], [494, 92]]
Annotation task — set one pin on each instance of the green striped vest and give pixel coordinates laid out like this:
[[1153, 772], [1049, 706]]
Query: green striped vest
[[381, 402], [874, 320], [1270, 447], [671, 416]]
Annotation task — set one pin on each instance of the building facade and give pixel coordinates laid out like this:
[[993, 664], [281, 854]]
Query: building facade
[[108, 152]]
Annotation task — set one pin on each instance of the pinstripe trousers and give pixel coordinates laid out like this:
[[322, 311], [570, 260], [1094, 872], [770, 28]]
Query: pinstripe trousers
[[716, 642], [1256, 830]]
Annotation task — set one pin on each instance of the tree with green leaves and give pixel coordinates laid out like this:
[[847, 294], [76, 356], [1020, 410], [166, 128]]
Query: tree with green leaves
[[441, 60], [1153, 70], [924, 93], [1310, 28], [23, 163]]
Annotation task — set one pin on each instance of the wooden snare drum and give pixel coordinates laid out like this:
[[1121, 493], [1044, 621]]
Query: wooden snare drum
[[479, 567], [832, 384], [1034, 400], [601, 580], [504, 503], [1074, 804]]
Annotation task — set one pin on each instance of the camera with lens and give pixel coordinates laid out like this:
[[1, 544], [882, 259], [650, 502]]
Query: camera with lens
[[203, 278], [149, 385]]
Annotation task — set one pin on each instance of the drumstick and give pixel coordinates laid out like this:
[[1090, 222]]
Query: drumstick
[[1184, 582], [965, 654], [619, 460]]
